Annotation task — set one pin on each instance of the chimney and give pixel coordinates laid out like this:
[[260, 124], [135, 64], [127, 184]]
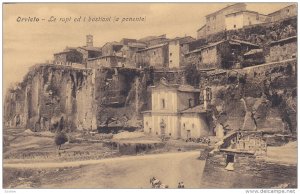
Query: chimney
[[89, 40]]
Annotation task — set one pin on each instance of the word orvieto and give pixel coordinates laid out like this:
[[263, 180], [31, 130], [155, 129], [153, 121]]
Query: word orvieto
[[28, 19]]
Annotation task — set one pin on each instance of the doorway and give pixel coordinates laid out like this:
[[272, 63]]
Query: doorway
[[162, 127], [229, 158], [188, 134]]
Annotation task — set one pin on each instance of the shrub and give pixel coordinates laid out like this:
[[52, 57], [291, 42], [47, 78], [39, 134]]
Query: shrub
[[60, 138], [191, 74]]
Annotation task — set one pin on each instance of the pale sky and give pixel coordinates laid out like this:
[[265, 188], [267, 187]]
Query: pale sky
[[28, 43]]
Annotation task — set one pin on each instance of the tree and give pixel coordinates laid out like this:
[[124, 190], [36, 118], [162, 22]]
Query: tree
[[191, 75], [60, 138]]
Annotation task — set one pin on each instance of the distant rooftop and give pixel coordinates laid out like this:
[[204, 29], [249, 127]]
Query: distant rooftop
[[91, 48], [220, 10], [282, 9], [153, 47], [248, 11], [183, 40]]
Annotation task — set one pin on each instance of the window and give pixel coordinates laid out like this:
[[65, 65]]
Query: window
[[170, 61], [154, 53], [234, 26], [146, 123], [190, 102], [183, 124], [170, 54], [163, 103]]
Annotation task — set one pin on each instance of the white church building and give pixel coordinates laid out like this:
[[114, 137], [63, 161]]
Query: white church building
[[177, 112]]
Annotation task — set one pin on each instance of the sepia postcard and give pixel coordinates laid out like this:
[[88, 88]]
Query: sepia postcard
[[150, 96]]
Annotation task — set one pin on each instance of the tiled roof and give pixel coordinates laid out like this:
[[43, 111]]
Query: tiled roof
[[253, 51], [220, 10], [206, 46], [187, 88], [244, 42], [106, 56], [201, 27], [231, 41], [196, 109], [284, 40], [183, 40], [245, 11], [66, 50], [91, 48], [153, 47], [282, 9]]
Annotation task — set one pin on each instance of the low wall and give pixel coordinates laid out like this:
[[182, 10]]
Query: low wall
[[249, 172], [132, 148]]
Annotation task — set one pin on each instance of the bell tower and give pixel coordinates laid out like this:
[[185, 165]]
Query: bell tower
[[89, 40]]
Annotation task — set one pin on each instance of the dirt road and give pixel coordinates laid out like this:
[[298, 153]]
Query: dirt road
[[127, 172]]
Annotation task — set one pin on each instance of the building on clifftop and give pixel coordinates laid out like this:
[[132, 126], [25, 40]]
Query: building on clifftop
[[215, 22], [284, 13], [77, 56], [223, 54]]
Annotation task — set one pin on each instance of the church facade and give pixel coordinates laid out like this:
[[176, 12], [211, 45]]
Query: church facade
[[176, 112]]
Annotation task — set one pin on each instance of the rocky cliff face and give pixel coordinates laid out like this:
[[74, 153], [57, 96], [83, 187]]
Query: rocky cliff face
[[121, 95], [260, 98], [59, 97], [55, 97]]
